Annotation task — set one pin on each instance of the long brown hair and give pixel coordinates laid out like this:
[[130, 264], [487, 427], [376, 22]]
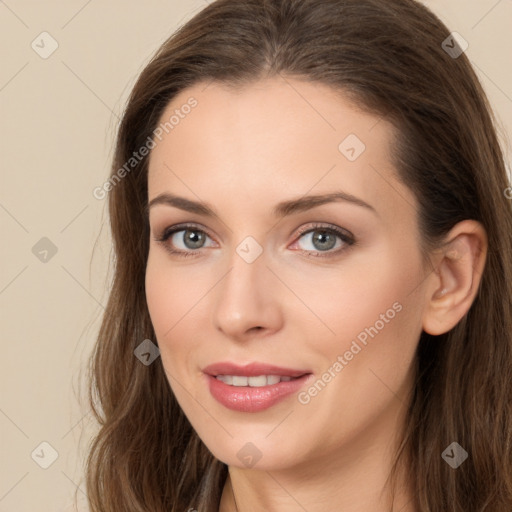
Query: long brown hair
[[389, 58]]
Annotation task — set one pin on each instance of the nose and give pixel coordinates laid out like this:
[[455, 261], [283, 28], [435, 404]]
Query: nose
[[247, 300]]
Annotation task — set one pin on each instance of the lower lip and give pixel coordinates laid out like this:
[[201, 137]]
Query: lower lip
[[248, 399]]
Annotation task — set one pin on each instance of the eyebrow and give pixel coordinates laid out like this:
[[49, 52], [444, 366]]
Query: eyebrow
[[282, 209]]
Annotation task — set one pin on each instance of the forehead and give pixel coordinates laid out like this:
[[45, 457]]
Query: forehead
[[272, 138]]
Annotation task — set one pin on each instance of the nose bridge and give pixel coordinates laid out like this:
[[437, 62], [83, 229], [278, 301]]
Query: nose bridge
[[246, 297]]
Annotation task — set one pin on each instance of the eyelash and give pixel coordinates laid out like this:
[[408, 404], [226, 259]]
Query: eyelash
[[347, 239]]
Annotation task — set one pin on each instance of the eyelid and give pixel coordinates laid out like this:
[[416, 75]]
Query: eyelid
[[314, 226], [183, 226]]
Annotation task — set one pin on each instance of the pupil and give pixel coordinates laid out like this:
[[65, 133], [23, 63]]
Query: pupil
[[322, 237]]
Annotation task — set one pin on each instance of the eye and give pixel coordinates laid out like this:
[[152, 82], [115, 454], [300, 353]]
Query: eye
[[187, 239], [323, 239], [184, 240]]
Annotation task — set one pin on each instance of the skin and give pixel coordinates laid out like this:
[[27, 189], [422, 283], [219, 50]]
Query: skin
[[242, 152]]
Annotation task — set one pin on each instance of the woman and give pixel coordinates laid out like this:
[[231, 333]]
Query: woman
[[311, 306]]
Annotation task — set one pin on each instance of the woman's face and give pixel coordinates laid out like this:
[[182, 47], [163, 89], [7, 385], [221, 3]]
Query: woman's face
[[297, 248]]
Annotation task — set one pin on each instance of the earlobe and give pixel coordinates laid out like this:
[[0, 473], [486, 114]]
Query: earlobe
[[452, 286]]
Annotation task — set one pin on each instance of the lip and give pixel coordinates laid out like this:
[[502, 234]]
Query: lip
[[251, 370], [253, 399]]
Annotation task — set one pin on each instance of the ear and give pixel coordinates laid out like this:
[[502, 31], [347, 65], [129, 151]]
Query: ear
[[453, 285]]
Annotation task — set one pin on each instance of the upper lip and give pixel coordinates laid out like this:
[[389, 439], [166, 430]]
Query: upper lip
[[251, 370]]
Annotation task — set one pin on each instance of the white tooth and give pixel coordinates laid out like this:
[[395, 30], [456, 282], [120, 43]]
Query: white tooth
[[256, 382], [239, 380], [227, 379]]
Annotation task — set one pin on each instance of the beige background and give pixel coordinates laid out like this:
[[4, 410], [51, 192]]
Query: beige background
[[58, 119]]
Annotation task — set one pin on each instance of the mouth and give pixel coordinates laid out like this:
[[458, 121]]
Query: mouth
[[254, 387], [254, 382], [239, 372]]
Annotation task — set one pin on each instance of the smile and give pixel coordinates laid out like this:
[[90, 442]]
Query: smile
[[254, 394], [253, 382]]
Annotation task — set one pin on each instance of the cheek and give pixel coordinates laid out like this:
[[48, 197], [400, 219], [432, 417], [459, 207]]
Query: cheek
[[367, 361], [160, 300], [168, 299], [170, 291], [177, 300], [374, 325], [352, 297], [376, 317]]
